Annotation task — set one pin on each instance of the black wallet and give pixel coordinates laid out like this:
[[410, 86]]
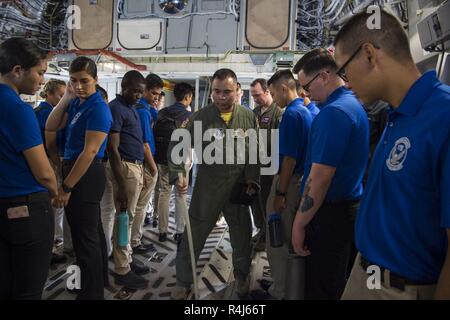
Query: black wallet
[[239, 194]]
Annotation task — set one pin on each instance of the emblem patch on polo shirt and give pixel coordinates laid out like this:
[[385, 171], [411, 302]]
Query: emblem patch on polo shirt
[[398, 154], [75, 119]]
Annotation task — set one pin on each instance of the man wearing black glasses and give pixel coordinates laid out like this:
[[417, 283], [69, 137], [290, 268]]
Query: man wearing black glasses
[[403, 225], [331, 189]]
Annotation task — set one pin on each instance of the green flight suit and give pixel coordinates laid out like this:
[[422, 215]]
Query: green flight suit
[[212, 191], [268, 120]]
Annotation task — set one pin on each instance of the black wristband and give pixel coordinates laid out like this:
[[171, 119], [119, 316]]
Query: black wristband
[[280, 194], [66, 188]]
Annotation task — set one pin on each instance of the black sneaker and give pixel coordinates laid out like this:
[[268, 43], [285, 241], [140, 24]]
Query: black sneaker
[[58, 258], [177, 237], [131, 281], [162, 237], [265, 284], [73, 291], [139, 268], [155, 223], [259, 294], [143, 248]]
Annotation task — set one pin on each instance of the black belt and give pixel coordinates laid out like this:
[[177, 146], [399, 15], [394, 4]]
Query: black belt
[[395, 280], [32, 197], [72, 161], [134, 161], [342, 202]]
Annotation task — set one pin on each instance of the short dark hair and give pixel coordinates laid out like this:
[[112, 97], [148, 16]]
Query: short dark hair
[[391, 37], [83, 64], [284, 76], [181, 90], [102, 91], [19, 52], [225, 73], [262, 82], [314, 61], [131, 78], [153, 81]]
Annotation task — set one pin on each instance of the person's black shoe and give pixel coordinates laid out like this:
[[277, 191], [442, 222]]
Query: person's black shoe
[[147, 220], [58, 258], [265, 284], [73, 291], [259, 294], [131, 281], [143, 248], [260, 245], [139, 268], [155, 223], [162, 237], [177, 237]]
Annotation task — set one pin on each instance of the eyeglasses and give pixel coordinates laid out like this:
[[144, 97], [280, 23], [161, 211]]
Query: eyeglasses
[[306, 86], [341, 72]]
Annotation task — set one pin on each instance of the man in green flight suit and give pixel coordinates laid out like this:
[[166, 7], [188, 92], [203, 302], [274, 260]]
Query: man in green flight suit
[[223, 122]]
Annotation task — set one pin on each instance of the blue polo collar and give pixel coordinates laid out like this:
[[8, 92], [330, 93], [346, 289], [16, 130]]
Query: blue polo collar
[[335, 95], [93, 97], [295, 102], [122, 101], [46, 105], [418, 94], [144, 102]]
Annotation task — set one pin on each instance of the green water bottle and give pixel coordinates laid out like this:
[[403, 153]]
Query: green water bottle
[[122, 228]]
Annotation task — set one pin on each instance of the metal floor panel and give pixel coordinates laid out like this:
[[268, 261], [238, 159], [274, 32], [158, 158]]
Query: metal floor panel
[[214, 270]]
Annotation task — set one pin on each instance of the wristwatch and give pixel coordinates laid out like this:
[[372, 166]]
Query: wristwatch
[[280, 194], [66, 188]]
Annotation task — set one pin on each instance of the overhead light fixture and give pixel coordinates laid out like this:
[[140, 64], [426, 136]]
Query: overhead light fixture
[[172, 6]]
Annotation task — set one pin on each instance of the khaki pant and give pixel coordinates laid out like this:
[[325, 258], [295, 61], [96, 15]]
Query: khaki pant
[[139, 217], [356, 288], [134, 178], [278, 257], [156, 200], [108, 210], [165, 189]]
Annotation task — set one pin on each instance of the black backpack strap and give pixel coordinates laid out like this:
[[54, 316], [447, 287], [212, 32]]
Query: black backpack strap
[[180, 117]]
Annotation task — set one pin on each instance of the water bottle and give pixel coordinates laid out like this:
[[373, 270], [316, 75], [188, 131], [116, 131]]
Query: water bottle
[[275, 230], [295, 277], [122, 228]]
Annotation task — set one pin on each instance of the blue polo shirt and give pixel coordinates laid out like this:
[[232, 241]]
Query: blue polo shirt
[[126, 121], [91, 115], [144, 111], [405, 211], [42, 113], [339, 138], [313, 109], [19, 131], [294, 130], [154, 113]]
